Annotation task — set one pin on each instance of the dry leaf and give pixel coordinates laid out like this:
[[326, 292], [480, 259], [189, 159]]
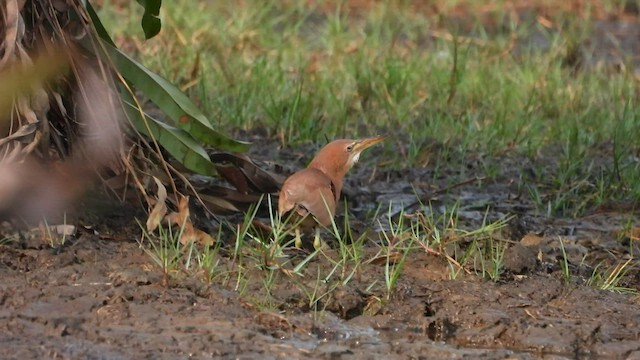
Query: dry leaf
[[243, 173], [188, 234], [531, 239], [180, 218], [191, 234], [159, 210]]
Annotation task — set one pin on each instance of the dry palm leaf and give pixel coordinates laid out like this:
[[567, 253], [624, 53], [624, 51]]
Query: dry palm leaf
[[250, 181], [221, 200], [244, 174]]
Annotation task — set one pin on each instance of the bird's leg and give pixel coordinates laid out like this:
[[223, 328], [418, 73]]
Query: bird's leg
[[318, 243], [298, 239]]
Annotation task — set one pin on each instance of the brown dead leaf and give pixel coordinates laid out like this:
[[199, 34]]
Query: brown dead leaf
[[159, 210], [531, 240], [188, 234], [191, 234], [155, 216], [182, 219], [24, 134], [221, 200], [244, 174]]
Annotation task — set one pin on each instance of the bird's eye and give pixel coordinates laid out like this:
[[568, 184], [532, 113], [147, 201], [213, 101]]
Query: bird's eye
[[350, 148]]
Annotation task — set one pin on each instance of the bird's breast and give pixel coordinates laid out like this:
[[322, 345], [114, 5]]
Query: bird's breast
[[312, 190]]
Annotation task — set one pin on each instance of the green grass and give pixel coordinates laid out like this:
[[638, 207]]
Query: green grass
[[564, 263], [564, 134], [165, 250], [612, 279], [298, 69], [305, 73], [261, 266], [8, 239]]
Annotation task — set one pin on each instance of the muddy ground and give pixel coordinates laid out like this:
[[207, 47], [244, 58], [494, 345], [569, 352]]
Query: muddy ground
[[100, 295], [102, 299]]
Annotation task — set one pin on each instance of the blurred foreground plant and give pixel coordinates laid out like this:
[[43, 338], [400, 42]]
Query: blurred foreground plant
[[67, 106]]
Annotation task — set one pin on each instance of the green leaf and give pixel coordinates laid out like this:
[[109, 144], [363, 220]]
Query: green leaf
[[173, 102], [176, 141], [180, 143], [97, 24], [151, 23]]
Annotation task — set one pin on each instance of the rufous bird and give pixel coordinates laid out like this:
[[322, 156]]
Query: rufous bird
[[313, 193]]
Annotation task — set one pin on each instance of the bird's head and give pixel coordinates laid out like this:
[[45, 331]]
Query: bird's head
[[338, 156]]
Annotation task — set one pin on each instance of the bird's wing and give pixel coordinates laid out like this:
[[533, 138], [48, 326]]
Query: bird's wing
[[312, 190]]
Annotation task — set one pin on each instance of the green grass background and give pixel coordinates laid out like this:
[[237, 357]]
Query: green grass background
[[506, 79]]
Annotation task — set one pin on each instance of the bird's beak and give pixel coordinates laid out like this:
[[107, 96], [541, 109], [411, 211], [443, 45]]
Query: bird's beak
[[364, 144]]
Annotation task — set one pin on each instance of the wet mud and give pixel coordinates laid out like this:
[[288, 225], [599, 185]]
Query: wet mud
[[101, 298], [99, 295]]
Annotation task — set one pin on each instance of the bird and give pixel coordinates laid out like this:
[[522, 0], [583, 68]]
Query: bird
[[311, 194]]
